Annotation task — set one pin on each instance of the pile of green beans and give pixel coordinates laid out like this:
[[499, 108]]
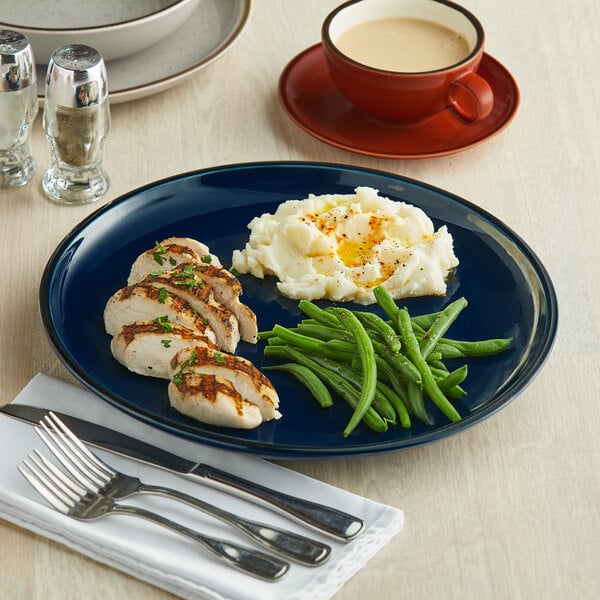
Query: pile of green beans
[[385, 369]]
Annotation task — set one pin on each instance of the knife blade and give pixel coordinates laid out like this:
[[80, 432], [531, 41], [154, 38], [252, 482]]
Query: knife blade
[[324, 518]]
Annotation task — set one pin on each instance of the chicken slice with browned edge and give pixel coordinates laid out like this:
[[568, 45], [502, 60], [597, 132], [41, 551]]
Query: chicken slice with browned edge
[[199, 248], [227, 290], [147, 347], [142, 302], [251, 383], [162, 258], [200, 296], [214, 400]]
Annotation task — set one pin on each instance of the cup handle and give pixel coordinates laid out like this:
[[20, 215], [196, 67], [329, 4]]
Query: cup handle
[[470, 98]]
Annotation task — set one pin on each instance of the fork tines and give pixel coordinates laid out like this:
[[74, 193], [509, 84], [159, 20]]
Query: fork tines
[[72, 453], [51, 483]]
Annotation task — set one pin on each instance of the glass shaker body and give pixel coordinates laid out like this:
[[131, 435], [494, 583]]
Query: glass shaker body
[[18, 108], [76, 120]]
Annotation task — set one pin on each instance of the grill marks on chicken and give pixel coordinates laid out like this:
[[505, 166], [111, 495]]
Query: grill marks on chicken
[[145, 302], [247, 379], [168, 254], [200, 296], [213, 400], [225, 287], [147, 347], [180, 317]]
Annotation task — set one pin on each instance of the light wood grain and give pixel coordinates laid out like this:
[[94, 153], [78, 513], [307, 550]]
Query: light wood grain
[[508, 509]]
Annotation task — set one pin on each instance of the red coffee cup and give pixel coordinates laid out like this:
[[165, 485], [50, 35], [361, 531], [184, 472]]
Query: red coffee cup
[[407, 82]]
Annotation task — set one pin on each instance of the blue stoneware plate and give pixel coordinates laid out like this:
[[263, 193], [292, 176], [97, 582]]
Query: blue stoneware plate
[[508, 289]]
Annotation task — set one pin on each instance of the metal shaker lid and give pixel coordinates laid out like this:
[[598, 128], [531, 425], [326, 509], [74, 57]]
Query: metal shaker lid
[[17, 65], [76, 77]]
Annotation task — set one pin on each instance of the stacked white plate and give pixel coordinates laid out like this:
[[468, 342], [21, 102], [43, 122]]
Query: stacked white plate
[[148, 45]]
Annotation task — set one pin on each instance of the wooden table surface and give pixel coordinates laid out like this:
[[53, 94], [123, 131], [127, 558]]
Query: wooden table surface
[[509, 508]]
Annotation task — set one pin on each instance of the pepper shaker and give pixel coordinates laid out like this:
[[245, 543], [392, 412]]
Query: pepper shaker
[[76, 120], [18, 108]]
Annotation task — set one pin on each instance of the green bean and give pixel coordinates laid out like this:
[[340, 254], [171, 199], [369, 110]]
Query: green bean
[[441, 325], [455, 392], [369, 367], [296, 339], [306, 377], [386, 302], [310, 309], [430, 386], [451, 348], [454, 378], [424, 322], [438, 372], [436, 364], [380, 401], [265, 335], [419, 331], [447, 351], [398, 361], [479, 348], [284, 335], [377, 324], [397, 402], [387, 373], [277, 352], [324, 332], [416, 403], [346, 390], [382, 368]]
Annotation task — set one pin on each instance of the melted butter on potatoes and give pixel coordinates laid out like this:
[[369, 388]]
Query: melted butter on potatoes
[[341, 246]]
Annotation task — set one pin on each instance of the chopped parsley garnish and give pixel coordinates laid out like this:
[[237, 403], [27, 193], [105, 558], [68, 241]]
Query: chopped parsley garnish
[[163, 294], [192, 360], [164, 323], [189, 283], [157, 254], [207, 258], [219, 358], [188, 270], [234, 271], [166, 343], [173, 261], [188, 278]]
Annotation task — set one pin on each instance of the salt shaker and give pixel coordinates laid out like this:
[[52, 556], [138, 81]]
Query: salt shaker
[[76, 120], [18, 108]]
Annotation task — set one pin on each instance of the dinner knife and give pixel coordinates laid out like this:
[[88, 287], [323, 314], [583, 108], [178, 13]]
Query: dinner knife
[[327, 519]]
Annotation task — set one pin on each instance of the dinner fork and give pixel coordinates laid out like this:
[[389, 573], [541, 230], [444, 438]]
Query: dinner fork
[[93, 473], [70, 498]]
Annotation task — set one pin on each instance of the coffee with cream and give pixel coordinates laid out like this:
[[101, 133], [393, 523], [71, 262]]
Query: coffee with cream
[[403, 44]]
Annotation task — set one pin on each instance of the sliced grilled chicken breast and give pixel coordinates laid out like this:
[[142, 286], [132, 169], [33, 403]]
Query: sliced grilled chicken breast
[[143, 302], [200, 297], [214, 400], [246, 378], [161, 258], [199, 248], [227, 290], [144, 347]]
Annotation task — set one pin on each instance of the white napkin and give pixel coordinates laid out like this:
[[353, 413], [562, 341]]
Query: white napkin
[[154, 554]]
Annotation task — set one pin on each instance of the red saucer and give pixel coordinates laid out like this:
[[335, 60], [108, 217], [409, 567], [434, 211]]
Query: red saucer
[[314, 103]]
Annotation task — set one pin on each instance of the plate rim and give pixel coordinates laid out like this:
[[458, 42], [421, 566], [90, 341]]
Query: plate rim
[[512, 388], [149, 88]]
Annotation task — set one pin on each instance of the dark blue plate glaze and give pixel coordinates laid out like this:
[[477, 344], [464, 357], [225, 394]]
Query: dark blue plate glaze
[[508, 289]]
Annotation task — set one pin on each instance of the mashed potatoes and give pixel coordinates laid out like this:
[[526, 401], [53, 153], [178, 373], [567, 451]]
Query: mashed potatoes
[[341, 246]]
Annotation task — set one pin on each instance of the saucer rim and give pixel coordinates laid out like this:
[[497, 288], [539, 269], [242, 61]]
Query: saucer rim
[[323, 136]]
